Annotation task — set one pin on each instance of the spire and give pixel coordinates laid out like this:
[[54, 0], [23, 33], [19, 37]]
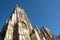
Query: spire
[[16, 5], [18, 8]]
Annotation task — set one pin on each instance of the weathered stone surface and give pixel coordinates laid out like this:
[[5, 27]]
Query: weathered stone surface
[[18, 27]]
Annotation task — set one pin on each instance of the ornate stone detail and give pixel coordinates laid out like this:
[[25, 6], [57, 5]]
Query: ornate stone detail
[[18, 27]]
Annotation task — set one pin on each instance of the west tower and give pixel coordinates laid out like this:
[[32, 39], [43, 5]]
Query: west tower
[[19, 27]]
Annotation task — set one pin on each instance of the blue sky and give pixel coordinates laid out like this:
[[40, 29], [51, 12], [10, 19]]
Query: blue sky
[[40, 12]]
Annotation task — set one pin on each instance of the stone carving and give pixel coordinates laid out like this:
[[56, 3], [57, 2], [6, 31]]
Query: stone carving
[[18, 27]]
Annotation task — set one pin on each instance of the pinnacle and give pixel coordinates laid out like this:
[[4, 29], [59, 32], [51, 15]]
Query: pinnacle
[[16, 5]]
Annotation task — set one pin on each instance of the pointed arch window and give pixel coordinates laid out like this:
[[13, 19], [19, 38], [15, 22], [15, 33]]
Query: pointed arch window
[[24, 25], [20, 14]]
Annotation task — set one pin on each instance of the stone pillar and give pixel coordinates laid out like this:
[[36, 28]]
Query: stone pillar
[[23, 33], [37, 35], [9, 32]]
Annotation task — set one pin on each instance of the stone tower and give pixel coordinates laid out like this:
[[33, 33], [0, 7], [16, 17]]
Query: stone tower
[[18, 27]]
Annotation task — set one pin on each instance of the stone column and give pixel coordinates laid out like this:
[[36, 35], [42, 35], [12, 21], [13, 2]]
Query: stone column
[[23, 33], [37, 35], [9, 32]]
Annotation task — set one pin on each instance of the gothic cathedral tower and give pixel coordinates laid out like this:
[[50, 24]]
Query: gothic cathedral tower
[[19, 27]]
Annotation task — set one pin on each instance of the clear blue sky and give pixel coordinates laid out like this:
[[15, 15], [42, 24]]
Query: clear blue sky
[[39, 12]]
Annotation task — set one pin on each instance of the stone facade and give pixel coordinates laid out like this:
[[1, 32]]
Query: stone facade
[[18, 27]]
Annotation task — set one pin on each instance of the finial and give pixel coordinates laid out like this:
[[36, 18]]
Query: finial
[[16, 5], [35, 25]]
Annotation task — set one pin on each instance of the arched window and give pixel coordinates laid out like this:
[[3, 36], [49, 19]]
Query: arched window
[[24, 25], [20, 14]]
